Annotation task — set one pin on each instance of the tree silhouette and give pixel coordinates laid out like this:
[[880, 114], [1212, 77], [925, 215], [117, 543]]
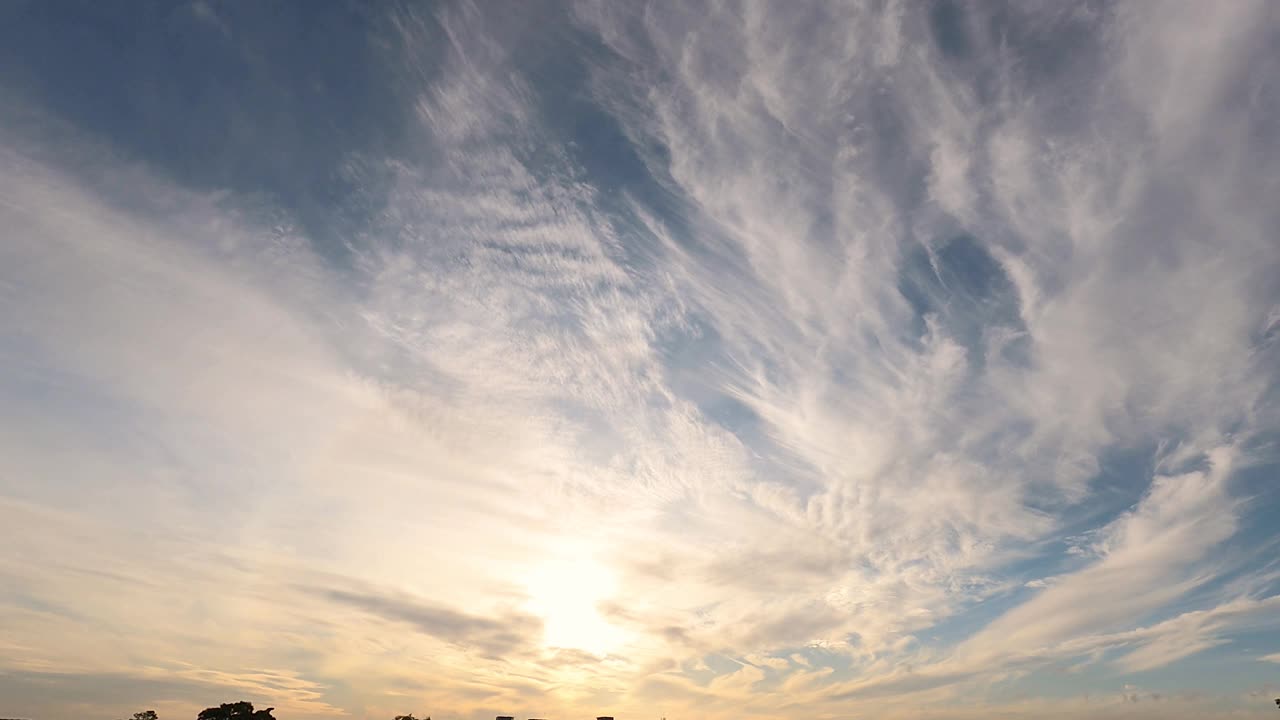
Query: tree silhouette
[[409, 717], [145, 715], [235, 711]]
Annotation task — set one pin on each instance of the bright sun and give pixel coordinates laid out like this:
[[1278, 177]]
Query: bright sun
[[565, 591]]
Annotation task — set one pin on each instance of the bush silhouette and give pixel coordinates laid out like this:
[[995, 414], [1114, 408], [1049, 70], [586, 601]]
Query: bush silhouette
[[235, 711]]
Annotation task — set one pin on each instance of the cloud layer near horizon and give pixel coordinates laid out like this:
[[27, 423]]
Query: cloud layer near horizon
[[761, 359]]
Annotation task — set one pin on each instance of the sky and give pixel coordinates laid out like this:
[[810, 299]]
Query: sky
[[891, 359]]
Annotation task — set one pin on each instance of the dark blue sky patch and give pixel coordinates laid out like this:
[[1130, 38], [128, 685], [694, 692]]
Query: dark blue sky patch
[[960, 286], [1123, 478], [1258, 486], [259, 98], [948, 21], [602, 154], [971, 617], [899, 165]]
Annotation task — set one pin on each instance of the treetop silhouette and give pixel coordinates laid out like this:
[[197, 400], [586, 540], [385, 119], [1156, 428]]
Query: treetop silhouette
[[242, 710]]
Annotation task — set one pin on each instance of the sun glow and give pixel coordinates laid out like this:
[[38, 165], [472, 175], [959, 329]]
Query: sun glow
[[566, 592]]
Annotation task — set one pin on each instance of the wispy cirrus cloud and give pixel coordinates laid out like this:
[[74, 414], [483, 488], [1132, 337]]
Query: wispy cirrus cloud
[[759, 359]]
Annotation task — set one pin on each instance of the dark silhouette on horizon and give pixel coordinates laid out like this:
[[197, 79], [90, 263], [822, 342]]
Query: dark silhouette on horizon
[[242, 710]]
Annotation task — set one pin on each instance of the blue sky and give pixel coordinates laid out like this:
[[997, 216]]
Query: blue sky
[[772, 360]]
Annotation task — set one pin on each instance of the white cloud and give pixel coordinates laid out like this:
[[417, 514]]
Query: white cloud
[[852, 396]]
